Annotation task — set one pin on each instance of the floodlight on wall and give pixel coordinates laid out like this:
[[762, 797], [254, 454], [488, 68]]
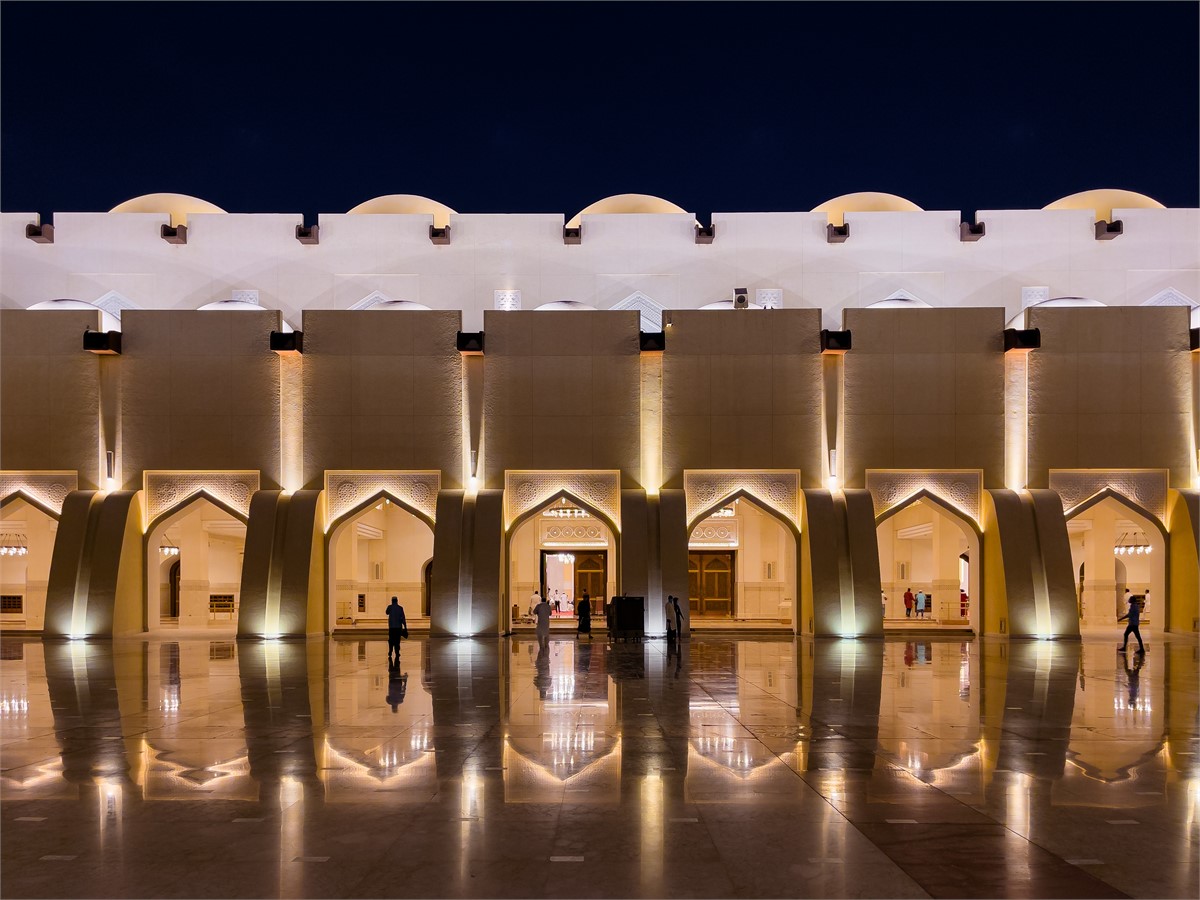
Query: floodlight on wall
[[308, 234], [837, 234], [705, 234], [14, 545], [174, 234], [1194, 338], [968, 232], [439, 236], [741, 298], [102, 343], [573, 236], [1022, 339], [835, 341], [40, 234], [287, 343], [1107, 231], [652, 341], [470, 343]]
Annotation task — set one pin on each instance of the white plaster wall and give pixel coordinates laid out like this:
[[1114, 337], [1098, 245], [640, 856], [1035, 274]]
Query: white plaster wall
[[932, 561], [400, 553], [1103, 594], [27, 575], [94, 253]]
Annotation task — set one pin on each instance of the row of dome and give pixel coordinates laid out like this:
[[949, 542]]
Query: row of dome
[[180, 206]]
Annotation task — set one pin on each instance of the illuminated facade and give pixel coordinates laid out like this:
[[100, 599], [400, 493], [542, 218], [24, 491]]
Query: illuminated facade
[[242, 422]]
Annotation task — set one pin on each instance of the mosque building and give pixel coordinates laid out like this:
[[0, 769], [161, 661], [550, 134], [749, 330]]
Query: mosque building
[[251, 423]]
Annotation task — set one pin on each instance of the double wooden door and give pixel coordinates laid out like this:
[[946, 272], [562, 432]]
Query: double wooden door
[[710, 584]]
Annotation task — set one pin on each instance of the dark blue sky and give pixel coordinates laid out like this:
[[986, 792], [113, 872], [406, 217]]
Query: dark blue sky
[[299, 107]]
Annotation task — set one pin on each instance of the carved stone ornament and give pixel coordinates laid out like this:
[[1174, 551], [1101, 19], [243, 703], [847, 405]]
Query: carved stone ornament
[[1145, 487], [715, 532], [556, 532], [49, 488], [960, 488], [778, 489], [167, 491], [525, 491], [346, 489]]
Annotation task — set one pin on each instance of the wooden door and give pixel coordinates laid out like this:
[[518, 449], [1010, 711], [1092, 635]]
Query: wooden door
[[591, 574], [710, 584]]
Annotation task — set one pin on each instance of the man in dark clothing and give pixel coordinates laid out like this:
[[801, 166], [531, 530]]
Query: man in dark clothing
[[1134, 615], [678, 618], [397, 629]]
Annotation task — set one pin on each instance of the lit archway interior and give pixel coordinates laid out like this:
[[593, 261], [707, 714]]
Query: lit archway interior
[[1113, 550], [26, 544], [741, 565], [194, 569], [925, 548], [561, 551], [382, 552]]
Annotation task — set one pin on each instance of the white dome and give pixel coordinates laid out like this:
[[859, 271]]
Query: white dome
[[243, 306], [108, 322], [728, 304], [899, 303], [1018, 321], [400, 305], [566, 305]]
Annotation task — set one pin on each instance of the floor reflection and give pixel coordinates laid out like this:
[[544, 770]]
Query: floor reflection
[[719, 767]]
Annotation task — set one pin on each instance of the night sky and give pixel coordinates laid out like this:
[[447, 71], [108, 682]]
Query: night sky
[[309, 108]]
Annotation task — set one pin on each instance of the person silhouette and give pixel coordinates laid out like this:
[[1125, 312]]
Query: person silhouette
[[1133, 616], [397, 629]]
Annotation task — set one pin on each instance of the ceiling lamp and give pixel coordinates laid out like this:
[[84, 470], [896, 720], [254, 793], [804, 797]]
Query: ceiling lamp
[[13, 545], [168, 549], [567, 512], [567, 559], [1132, 545]]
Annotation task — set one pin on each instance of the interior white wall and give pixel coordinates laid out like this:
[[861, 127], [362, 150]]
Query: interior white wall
[[762, 539], [915, 251], [211, 544], [27, 575], [932, 562], [1094, 533], [524, 560], [391, 565]]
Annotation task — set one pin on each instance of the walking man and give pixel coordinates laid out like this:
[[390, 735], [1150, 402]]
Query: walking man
[[669, 615], [908, 603], [1133, 616], [397, 629], [542, 613]]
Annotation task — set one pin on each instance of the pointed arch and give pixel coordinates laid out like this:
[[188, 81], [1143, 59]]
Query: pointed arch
[[178, 507], [744, 493], [1132, 505], [569, 495], [926, 494], [363, 505], [32, 501]]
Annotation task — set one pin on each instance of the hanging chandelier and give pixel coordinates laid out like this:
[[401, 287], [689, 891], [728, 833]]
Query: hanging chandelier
[[1134, 544], [168, 548], [567, 512], [13, 545], [567, 559]]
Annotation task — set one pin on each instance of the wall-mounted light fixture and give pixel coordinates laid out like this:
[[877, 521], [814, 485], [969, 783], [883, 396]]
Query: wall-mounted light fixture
[[837, 234], [969, 232], [573, 237], [40, 234], [287, 343], [102, 343], [439, 236], [1022, 339], [1107, 231], [835, 341], [470, 343], [308, 234], [174, 234], [705, 233]]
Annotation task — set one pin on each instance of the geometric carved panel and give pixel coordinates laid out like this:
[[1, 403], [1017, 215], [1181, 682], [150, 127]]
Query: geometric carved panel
[[165, 490], [1145, 487], [525, 491], [346, 488], [563, 532], [49, 488], [712, 532], [778, 489], [960, 488]]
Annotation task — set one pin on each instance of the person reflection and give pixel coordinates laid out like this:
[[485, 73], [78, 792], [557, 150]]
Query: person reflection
[[397, 687], [1133, 677], [675, 649], [541, 673]]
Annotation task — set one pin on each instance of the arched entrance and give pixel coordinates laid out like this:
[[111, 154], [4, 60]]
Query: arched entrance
[[560, 549], [380, 549], [925, 544], [194, 556], [1123, 550], [743, 564], [26, 544]]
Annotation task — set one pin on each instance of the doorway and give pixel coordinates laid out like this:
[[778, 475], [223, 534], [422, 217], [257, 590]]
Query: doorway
[[710, 584], [173, 591], [568, 576]]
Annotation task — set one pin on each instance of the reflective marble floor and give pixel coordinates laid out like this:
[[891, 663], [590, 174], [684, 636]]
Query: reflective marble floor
[[737, 767]]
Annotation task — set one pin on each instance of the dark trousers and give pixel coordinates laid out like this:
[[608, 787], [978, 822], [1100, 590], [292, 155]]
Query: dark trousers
[[1132, 628], [394, 640], [908, 612]]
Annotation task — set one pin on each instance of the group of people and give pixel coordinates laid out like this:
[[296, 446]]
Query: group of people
[[918, 604], [560, 602], [542, 608]]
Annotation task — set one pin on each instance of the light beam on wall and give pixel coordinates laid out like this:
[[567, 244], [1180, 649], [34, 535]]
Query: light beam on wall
[[651, 422], [1016, 420]]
